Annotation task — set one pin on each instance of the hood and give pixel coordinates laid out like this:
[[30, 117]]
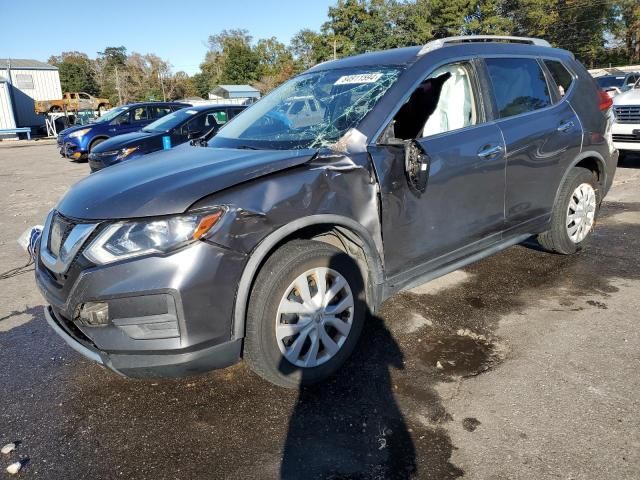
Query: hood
[[169, 181], [126, 140], [630, 97], [72, 129]]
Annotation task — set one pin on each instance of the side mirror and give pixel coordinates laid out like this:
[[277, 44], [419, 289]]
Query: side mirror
[[416, 166]]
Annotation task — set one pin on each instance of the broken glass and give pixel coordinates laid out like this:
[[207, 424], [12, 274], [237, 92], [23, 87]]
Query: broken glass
[[313, 110]]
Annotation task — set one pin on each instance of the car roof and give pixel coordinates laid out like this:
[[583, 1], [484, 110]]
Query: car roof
[[213, 106], [409, 55], [146, 104]]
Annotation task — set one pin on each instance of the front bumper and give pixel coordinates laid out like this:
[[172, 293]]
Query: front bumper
[[72, 150], [153, 365], [98, 162], [167, 315], [626, 136]]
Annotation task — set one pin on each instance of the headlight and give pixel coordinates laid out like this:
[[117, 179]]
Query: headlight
[[79, 133], [125, 152], [132, 239]]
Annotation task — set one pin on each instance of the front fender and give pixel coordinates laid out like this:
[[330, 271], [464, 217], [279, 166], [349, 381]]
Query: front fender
[[333, 190]]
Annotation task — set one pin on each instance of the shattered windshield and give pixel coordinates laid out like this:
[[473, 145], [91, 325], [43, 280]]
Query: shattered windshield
[[310, 111]]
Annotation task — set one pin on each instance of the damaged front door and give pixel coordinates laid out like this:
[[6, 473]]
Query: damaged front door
[[441, 169]]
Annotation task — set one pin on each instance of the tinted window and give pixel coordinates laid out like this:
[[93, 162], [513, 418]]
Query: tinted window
[[139, 114], [560, 75], [233, 112], [220, 116], [519, 85], [608, 82], [158, 111]]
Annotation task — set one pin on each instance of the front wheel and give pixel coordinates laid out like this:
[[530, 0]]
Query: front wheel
[[305, 315], [574, 214]]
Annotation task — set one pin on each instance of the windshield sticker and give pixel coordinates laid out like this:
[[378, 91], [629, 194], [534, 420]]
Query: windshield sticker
[[360, 78], [191, 112]]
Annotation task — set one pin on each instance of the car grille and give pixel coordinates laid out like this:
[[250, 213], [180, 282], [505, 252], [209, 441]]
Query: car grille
[[627, 113], [617, 137], [60, 229]]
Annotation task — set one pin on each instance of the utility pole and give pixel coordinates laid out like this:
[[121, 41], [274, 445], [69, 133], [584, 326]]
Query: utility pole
[[118, 86], [335, 56], [164, 97]]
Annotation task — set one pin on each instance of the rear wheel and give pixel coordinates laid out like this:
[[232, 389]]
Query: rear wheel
[[574, 214], [305, 315]]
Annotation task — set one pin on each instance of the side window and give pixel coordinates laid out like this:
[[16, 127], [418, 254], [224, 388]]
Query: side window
[[210, 120], [232, 112], [83, 96], [444, 101], [159, 111], [561, 76], [312, 105], [296, 107], [139, 114], [197, 124], [220, 116], [519, 85]]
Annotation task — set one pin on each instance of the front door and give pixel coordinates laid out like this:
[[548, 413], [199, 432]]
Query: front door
[[461, 206]]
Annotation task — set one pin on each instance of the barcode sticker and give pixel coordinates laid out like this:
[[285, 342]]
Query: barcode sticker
[[360, 78]]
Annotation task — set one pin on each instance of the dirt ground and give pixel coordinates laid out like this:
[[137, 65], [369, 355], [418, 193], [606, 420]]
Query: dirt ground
[[522, 366]]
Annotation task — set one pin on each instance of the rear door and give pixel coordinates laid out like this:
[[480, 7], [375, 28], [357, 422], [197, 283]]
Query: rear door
[[542, 135]]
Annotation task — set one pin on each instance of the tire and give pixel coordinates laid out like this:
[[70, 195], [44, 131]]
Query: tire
[[275, 359], [101, 109], [580, 183], [95, 143]]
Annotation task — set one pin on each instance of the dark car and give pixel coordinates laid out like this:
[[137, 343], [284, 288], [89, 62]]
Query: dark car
[[273, 240], [615, 84], [76, 142], [165, 133]]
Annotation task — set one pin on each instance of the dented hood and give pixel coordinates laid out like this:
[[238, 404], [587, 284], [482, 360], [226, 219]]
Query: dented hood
[[168, 182]]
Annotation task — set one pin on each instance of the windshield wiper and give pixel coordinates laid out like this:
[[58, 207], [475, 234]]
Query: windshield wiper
[[246, 147]]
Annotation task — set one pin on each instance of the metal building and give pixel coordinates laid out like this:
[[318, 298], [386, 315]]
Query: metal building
[[25, 82], [235, 94]]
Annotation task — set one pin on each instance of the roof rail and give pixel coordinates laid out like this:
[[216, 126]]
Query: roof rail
[[441, 42]]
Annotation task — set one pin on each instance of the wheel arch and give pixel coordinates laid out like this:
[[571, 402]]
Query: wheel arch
[[592, 161], [350, 236], [93, 141]]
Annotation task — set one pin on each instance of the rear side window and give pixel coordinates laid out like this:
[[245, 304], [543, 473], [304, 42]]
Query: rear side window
[[519, 85], [560, 75], [159, 111]]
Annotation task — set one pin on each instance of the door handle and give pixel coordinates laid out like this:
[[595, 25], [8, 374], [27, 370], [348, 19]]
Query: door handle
[[490, 152], [565, 127]]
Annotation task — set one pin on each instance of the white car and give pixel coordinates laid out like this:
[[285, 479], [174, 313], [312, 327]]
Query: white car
[[626, 126]]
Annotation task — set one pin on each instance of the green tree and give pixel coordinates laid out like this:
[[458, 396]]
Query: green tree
[[308, 48], [77, 72]]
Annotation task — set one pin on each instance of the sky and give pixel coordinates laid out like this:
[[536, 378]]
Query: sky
[[176, 30]]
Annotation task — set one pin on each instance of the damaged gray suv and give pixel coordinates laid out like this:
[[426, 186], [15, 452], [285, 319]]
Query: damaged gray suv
[[273, 240]]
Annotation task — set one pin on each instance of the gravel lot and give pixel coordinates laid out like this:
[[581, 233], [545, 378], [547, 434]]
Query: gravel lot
[[525, 365]]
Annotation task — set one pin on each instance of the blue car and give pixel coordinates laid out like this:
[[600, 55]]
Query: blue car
[[76, 142], [165, 133]]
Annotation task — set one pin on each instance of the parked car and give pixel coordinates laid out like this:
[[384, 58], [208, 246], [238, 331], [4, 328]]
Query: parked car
[[616, 84], [76, 142], [72, 102], [273, 243], [626, 126], [166, 132]]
